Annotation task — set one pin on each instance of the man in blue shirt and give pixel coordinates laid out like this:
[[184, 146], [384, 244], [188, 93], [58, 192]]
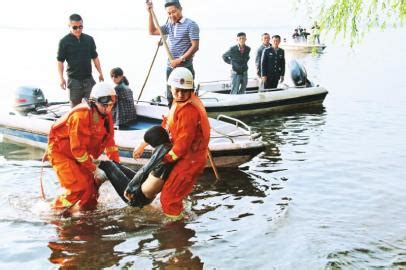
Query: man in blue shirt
[[182, 36]]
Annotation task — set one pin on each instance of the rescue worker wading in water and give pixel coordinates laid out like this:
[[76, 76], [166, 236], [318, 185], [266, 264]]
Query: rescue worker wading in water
[[76, 140], [189, 130]]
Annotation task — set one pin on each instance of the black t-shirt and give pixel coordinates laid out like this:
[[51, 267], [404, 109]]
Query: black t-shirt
[[78, 53]]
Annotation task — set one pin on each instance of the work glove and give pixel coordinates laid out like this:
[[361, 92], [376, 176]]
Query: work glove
[[99, 176]]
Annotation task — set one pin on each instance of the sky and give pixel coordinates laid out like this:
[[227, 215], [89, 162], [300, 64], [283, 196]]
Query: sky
[[132, 13]]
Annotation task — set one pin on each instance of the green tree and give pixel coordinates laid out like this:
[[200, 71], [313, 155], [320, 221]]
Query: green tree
[[352, 19]]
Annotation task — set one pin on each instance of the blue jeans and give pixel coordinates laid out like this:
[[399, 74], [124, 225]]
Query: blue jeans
[[238, 82]]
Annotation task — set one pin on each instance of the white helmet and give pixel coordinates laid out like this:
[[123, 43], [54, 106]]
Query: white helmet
[[103, 92], [181, 78]]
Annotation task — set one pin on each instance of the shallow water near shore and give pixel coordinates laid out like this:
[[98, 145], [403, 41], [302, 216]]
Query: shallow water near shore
[[328, 193]]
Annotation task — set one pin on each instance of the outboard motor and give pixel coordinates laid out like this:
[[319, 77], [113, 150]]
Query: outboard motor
[[299, 74], [29, 99]]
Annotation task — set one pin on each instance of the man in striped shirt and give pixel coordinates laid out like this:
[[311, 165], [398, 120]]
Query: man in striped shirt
[[182, 36]]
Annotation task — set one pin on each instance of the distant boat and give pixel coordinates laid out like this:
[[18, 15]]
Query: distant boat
[[304, 47], [217, 99]]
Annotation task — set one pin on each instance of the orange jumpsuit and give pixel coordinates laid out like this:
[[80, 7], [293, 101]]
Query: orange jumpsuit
[[74, 141], [189, 129]]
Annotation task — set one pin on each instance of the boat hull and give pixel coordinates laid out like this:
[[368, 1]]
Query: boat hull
[[217, 100], [227, 150], [303, 47]]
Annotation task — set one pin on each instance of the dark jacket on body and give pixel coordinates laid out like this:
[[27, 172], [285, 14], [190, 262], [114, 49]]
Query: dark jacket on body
[[237, 59]]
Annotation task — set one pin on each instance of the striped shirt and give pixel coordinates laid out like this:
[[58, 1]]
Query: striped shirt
[[180, 36]]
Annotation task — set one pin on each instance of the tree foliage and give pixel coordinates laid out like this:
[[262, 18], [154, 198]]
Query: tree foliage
[[354, 18]]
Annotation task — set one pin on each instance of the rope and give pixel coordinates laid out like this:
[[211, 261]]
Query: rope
[[41, 176]]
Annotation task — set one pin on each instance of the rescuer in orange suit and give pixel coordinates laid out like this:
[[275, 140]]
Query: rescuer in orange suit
[[78, 138], [189, 130]]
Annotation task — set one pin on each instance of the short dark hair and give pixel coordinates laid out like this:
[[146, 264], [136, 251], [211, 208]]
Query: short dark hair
[[75, 17], [173, 3], [241, 34], [277, 36], [265, 34], [156, 135]]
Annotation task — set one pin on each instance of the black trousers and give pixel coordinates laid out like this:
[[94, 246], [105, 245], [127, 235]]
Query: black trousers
[[271, 82]]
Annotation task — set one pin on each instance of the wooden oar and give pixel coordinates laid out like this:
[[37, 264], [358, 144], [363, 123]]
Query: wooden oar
[[170, 56]]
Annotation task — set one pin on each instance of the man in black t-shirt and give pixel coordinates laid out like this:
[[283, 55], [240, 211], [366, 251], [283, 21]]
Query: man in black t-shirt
[[78, 50]]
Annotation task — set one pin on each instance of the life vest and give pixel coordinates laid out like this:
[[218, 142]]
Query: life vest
[[202, 138], [99, 136]]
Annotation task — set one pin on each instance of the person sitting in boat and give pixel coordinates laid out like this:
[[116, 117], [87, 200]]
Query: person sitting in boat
[[273, 64], [296, 35], [78, 138], [305, 34], [140, 188], [124, 112]]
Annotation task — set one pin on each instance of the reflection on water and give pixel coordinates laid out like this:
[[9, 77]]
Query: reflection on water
[[327, 193], [116, 235]]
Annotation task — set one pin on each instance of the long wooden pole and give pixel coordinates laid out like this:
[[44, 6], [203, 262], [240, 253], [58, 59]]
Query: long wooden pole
[[170, 56], [149, 70]]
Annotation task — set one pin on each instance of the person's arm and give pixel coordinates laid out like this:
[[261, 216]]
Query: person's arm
[[152, 29], [61, 78], [79, 138], [187, 121], [139, 150], [111, 149], [97, 65], [258, 59], [227, 56], [187, 55], [61, 57], [264, 65]]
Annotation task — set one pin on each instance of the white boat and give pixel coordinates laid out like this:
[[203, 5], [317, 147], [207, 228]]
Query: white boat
[[232, 142], [217, 99], [303, 47]]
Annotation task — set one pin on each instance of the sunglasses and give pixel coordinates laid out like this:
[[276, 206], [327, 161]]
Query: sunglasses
[[106, 100], [76, 27]]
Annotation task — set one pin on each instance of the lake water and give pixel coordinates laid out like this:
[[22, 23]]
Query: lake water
[[328, 193]]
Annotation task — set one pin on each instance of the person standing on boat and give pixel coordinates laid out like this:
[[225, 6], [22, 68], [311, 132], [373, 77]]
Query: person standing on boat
[[238, 56], [124, 112], [266, 38], [78, 50], [316, 32], [182, 35], [265, 44], [75, 140], [189, 130], [273, 64], [295, 35]]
